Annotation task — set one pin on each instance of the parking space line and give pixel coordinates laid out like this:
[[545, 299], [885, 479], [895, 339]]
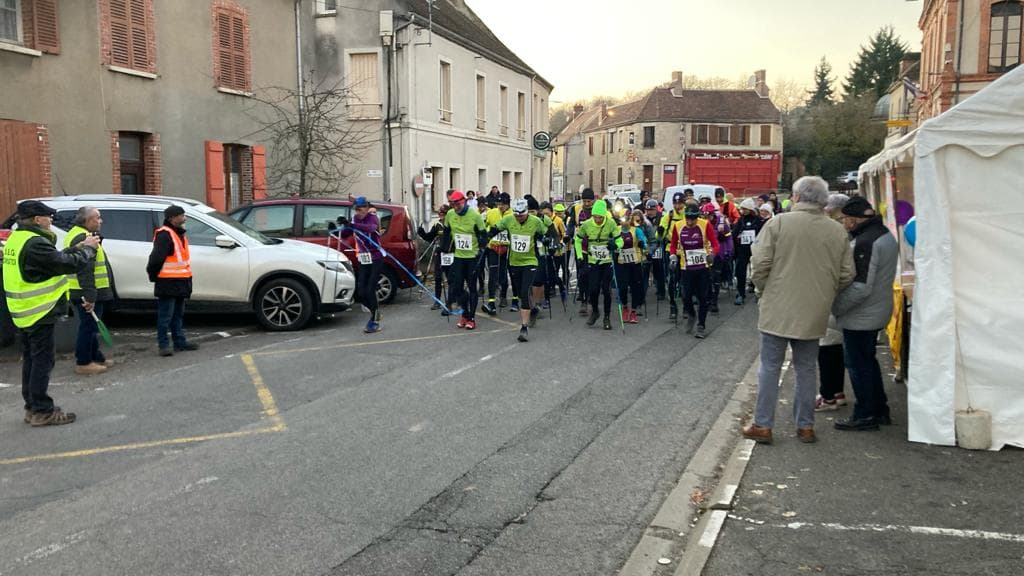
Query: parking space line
[[266, 399], [500, 321], [371, 343], [920, 530]]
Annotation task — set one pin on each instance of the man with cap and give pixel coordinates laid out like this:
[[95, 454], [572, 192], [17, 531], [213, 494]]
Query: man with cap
[[597, 238], [561, 254], [497, 258], [369, 258], [668, 222], [655, 250], [726, 207], [170, 271], [744, 232], [36, 288], [863, 308], [525, 231], [468, 233], [581, 213], [693, 248]]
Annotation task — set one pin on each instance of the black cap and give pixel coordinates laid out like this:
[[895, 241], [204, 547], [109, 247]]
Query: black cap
[[30, 208], [172, 211], [489, 200], [504, 198], [859, 207], [588, 194], [678, 197], [545, 205], [531, 203]]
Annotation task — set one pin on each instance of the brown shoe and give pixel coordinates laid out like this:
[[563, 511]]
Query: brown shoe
[[806, 435], [90, 369], [28, 416], [56, 418], [758, 434], [106, 363]]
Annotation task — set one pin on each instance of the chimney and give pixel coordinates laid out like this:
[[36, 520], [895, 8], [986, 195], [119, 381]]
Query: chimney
[[604, 113], [759, 84], [576, 111], [908, 62], [677, 81]]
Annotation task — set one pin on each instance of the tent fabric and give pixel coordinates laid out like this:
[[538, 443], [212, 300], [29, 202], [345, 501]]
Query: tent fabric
[[966, 337]]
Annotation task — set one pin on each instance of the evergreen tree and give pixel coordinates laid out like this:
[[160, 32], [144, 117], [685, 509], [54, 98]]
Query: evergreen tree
[[877, 65], [823, 92]]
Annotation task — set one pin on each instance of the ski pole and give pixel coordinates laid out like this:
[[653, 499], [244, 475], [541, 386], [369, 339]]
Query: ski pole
[[618, 295], [387, 254]]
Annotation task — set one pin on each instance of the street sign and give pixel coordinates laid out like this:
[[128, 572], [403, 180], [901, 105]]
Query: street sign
[[374, 173], [417, 186], [899, 123], [542, 140]]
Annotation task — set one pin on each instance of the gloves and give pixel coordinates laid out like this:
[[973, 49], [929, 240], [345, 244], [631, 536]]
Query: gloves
[[343, 221], [493, 232], [611, 245], [674, 260]]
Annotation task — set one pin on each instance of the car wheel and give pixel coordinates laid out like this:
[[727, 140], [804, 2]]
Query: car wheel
[[387, 285], [283, 304]]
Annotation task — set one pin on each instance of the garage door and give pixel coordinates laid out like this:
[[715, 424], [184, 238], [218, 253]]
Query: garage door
[[738, 175]]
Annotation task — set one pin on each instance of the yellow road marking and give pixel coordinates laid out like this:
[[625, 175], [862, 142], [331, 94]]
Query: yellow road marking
[[372, 343], [266, 399], [138, 446]]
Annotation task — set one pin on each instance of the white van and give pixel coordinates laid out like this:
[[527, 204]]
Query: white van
[[699, 191]]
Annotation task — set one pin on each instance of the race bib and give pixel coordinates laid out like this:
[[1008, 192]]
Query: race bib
[[747, 237], [598, 252], [365, 258], [447, 258], [520, 244], [696, 257], [627, 257], [658, 254], [502, 237], [463, 242]]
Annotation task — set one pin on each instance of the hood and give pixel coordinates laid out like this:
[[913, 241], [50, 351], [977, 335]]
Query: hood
[[308, 250]]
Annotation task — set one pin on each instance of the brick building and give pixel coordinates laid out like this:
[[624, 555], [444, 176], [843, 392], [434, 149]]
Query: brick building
[[137, 96], [674, 135], [966, 45]]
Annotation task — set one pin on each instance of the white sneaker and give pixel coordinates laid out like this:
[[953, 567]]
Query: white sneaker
[[841, 398], [822, 405]]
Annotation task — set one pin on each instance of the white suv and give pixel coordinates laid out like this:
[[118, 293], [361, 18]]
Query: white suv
[[234, 268]]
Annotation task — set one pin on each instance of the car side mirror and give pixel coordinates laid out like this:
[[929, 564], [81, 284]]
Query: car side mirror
[[224, 241]]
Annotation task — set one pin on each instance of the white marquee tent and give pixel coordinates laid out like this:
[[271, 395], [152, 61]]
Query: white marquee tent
[[967, 334]]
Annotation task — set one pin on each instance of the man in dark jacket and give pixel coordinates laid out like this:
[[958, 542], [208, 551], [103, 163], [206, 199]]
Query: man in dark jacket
[[744, 232], [171, 272], [864, 308], [35, 285], [90, 293]]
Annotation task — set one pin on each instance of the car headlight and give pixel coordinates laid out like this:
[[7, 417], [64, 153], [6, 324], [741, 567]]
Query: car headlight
[[336, 265]]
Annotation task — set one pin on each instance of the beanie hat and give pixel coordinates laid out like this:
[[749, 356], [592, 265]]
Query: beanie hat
[[172, 211], [504, 198], [588, 194], [600, 209], [749, 204], [859, 207]]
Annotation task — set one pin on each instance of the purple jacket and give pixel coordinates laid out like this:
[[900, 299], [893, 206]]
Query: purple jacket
[[369, 226]]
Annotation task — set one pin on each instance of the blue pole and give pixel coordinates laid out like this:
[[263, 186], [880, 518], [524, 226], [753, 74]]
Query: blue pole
[[387, 254]]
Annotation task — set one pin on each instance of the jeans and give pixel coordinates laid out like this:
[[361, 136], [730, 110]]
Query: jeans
[[366, 285], [695, 286], [87, 346], [831, 370], [773, 352], [599, 280], [865, 374], [463, 276], [37, 348], [169, 313]]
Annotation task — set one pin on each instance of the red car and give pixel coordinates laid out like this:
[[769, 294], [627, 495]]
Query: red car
[[310, 220]]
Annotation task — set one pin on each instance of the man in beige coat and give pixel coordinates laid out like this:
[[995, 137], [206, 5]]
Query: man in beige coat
[[800, 262]]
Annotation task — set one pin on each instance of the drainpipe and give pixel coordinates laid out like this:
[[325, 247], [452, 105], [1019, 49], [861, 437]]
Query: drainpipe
[[298, 62], [959, 51]]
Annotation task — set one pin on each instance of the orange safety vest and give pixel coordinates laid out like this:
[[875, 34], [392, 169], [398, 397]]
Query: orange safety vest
[[177, 265]]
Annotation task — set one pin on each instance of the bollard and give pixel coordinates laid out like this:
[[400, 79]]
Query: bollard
[[974, 429]]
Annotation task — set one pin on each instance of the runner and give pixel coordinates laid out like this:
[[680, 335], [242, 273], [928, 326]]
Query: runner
[[744, 232], [693, 249], [723, 254], [596, 240], [370, 259], [581, 213], [467, 232], [442, 258], [497, 258], [668, 222], [656, 251], [630, 261], [524, 230]]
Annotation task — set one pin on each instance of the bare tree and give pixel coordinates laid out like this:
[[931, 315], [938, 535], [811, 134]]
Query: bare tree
[[315, 144], [788, 94]]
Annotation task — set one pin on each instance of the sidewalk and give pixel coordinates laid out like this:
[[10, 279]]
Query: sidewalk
[[867, 503]]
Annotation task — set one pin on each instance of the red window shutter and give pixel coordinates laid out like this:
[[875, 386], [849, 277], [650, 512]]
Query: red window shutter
[[47, 37], [226, 73], [259, 172], [239, 49], [139, 35], [216, 196], [120, 34]]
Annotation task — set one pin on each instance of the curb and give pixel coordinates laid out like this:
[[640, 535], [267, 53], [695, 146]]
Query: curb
[[665, 541]]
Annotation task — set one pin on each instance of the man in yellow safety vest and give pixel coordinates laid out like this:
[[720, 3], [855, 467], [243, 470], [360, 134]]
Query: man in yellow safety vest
[[90, 293]]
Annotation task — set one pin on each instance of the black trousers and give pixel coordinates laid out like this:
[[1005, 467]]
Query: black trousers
[[463, 287], [630, 282], [599, 281], [657, 269], [522, 281], [696, 284], [37, 348], [832, 370], [497, 274], [582, 279], [366, 284], [742, 262]]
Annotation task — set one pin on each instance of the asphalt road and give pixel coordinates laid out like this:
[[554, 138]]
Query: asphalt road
[[420, 450]]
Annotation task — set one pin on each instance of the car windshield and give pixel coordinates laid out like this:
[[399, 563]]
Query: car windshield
[[254, 234]]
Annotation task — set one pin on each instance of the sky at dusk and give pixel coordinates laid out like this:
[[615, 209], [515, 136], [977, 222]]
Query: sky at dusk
[[609, 47]]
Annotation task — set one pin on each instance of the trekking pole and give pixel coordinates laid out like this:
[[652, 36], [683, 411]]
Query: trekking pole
[[387, 254], [618, 295]]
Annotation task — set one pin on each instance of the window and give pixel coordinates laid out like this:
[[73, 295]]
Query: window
[[199, 233], [364, 98], [590, 180], [1005, 36], [233, 173], [446, 92], [455, 178], [620, 139], [723, 134], [590, 145], [603, 142], [231, 48], [648, 136], [603, 188], [699, 134], [318, 219], [133, 171], [10, 21], [503, 110], [30, 23], [519, 184], [739, 135], [632, 139], [766, 135], [274, 220], [326, 7], [384, 215], [618, 180], [521, 116], [132, 225], [611, 141], [481, 102], [130, 34], [481, 179]]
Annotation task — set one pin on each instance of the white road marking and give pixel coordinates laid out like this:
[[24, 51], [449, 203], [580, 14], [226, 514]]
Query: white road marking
[[224, 334], [727, 494], [707, 539], [457, 371], [746, 450], [2, 385], [51, 549], [926, 530]]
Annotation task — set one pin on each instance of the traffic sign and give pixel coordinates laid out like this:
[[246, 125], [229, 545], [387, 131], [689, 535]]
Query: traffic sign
[[542, 140]]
